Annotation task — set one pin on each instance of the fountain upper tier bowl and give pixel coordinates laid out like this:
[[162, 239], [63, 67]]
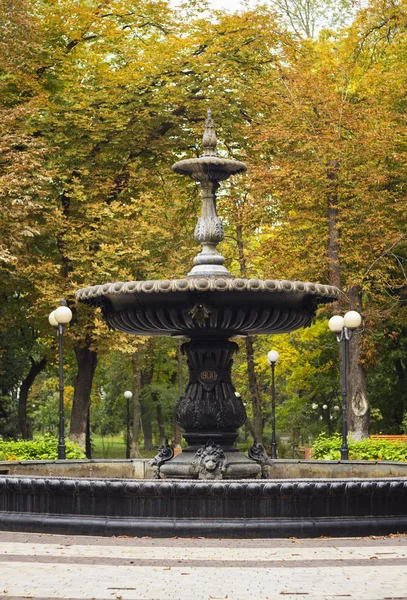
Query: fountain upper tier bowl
[[208, 306], [209, 302]]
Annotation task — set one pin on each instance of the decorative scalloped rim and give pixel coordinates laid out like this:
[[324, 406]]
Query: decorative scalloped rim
[[202, 284], [226, 488]]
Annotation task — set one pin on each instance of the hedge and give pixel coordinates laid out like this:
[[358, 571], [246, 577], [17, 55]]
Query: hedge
[[325, 448], [42, 448]]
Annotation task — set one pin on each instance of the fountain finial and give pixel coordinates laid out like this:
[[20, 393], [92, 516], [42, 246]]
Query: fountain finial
[[209, 170], [209, 139]]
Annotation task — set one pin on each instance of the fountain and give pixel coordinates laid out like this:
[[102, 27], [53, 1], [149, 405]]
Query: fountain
[[209, 306], [210, 488]]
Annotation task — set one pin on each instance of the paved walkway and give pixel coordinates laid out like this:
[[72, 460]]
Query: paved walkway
[[53, 566]]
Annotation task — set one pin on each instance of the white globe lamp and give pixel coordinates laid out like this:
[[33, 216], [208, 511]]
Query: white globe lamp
[[63, 315], [352, 319], [336, 323], [52, 320], [272, 357]]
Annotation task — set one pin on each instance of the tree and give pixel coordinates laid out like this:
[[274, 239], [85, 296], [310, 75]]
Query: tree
[[328, 163], [24, 192], [119, 131]]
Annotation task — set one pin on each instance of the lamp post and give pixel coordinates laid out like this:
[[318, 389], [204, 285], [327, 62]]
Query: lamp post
[[272, 358], [343, 327], [128, 395], [59, 318]]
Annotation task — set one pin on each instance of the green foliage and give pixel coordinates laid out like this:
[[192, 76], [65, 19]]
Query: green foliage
[[42, 448], [387, 389], [161, 400], [328, 448], [306, 374], [158, 393]]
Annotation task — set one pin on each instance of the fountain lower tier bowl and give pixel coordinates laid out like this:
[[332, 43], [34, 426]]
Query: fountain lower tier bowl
[[208, 306], [235, 509]]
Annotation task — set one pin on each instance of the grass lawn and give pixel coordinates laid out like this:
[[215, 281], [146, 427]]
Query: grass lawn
[[113, 446]]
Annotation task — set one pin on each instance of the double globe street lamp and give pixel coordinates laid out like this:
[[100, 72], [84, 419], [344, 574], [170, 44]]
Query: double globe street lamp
[[327, 412], [272, 358], [59, 318], [343, 327]]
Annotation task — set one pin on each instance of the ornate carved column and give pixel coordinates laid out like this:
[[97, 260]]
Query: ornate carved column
[[210, 409]]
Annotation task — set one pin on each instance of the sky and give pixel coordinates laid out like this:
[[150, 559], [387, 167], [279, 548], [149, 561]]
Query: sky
[[231, 5]]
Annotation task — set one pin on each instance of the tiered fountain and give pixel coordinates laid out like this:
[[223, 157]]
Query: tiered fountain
[[209, 306]]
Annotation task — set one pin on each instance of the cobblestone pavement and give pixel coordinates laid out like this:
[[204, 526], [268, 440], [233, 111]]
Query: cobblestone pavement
[[55, 566]]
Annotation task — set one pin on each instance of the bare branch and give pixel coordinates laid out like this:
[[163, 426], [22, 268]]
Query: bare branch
[[388, 251]]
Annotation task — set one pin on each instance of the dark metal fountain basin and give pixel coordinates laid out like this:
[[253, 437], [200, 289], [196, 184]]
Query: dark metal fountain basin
[[274, 508], [208, 306]]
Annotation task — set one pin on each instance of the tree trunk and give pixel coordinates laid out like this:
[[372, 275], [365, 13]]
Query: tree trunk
[[254, 391], [249, 428], [358, 404], [400, 404], [147, 425], [257, 424], [135, 447], [333, 226], [35, 369], [146, 408], [87, 361], [161, 428]]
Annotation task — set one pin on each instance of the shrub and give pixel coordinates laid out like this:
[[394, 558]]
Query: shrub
[[325, 448], [42, 448]]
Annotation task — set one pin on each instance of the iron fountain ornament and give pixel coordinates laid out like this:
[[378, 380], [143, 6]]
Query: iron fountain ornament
[[209, 306]]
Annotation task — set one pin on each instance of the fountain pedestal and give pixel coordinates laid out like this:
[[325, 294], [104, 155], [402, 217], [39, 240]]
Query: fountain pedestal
[[210, 414]]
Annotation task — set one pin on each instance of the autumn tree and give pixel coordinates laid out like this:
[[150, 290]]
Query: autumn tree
[[26, 211], [330, 163], [128, 92]]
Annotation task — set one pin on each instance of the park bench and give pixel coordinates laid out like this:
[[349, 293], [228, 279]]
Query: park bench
[[390, 438]]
